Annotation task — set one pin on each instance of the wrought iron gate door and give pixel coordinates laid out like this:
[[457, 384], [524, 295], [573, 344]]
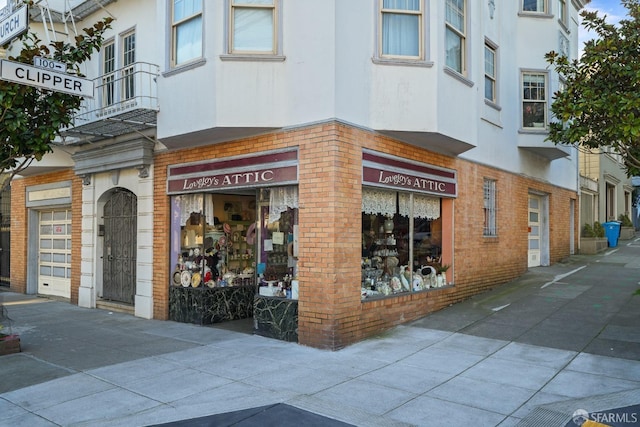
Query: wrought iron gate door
[[119, 260]]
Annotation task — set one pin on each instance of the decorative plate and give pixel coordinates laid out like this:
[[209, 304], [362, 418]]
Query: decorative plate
[[211, 284], [195, 280], [176, 278], [185, 278]]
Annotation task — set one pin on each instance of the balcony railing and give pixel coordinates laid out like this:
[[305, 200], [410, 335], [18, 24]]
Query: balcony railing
[[125, 100]]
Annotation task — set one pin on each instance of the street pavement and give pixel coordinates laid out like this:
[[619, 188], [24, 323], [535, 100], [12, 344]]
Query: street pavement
[[558, 342]]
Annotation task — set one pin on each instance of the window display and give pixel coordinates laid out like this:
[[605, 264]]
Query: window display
[[209, 250], [221, 240], [401, 243]]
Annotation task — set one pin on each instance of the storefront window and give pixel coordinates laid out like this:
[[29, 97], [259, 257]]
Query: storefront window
[[401, 243], [220, 240]]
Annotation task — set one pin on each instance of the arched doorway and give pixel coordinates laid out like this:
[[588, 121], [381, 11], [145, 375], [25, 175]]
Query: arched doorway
[[120, 246]]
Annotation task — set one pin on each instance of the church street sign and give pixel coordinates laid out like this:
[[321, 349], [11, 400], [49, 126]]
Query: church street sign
[[33, 76], [13, 25]]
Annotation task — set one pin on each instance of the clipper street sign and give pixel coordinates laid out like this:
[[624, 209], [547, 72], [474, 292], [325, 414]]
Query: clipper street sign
[[60, 82], [13, 25]]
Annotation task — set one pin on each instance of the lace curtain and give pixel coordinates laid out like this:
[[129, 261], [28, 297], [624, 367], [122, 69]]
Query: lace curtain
[[378, 202], [190, 203], [281, 199], [423, 206], [382, 202]]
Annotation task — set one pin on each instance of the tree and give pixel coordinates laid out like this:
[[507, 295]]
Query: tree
[[600, 104], [31, 118]]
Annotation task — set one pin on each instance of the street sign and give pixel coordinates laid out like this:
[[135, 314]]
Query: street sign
[[14, 25], [32, 76], [49, 64]]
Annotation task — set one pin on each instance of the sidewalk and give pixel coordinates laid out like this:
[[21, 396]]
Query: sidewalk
[[530, 353]]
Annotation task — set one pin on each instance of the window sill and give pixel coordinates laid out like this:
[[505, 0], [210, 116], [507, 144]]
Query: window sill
[[253, 57], [402, 62], [492, 105], [542, 130], [542, 15], [458, 76], [184, 67]]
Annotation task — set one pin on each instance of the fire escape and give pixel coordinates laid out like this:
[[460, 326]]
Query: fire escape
[[125, 99]]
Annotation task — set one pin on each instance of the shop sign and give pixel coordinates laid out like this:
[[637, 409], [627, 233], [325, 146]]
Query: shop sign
[[265, 169], [392, 172]]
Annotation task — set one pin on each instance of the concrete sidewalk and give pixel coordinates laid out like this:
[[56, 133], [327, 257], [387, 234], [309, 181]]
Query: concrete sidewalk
[[530, 353]]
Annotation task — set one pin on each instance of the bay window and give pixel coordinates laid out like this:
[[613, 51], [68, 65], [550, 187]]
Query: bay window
[[455, 36], [253, 27], [186, 31], [401, 28], [534, 100]]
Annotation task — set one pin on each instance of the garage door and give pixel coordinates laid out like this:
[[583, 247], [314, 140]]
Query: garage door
[[54, 269]]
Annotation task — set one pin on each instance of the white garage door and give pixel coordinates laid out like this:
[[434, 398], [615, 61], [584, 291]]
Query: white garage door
[[54, 254]]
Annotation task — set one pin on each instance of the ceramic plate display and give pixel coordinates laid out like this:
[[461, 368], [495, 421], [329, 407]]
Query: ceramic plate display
[[176, 278], [185, 278], [195, 280], [211, 284]]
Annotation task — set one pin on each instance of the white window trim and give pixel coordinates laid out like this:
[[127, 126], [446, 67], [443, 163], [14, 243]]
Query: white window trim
[[464, 72], [274, 56], [545, 128], [173, 66], [493, 102], [545, 14], [421, 60], [564, 23]]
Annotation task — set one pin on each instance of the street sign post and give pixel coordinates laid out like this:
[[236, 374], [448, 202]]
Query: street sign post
[[14, 25], [38, 77]]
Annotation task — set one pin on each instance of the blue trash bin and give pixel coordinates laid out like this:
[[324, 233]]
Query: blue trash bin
[[612, 233]]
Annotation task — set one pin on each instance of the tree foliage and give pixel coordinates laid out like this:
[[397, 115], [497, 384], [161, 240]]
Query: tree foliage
[[31, 118], [600, 104]]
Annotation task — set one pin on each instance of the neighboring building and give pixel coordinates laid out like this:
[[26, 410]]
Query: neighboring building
[[606, 192], [328, 145]]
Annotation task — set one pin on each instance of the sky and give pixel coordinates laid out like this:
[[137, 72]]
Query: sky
[[612, 8]]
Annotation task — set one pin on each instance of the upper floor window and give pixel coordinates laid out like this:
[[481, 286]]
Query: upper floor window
[[401, 28], [534, 100], [186, 31], [253, 27], [489, 73], [562, 12], [455, 37], [118, 70], [538, 6], [108, 74]]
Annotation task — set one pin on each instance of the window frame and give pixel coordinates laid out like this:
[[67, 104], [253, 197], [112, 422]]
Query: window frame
[[492, 78], [234, 5], [462, 37], [421, 31], [108, 59], [490, 208], [544, 11], [173, 56], [563, 13], [544, 101]]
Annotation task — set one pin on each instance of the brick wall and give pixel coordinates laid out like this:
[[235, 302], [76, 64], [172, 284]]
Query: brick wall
[[331, 314]]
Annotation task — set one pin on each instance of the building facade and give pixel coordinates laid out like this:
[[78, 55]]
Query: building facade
[[348, 166]]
